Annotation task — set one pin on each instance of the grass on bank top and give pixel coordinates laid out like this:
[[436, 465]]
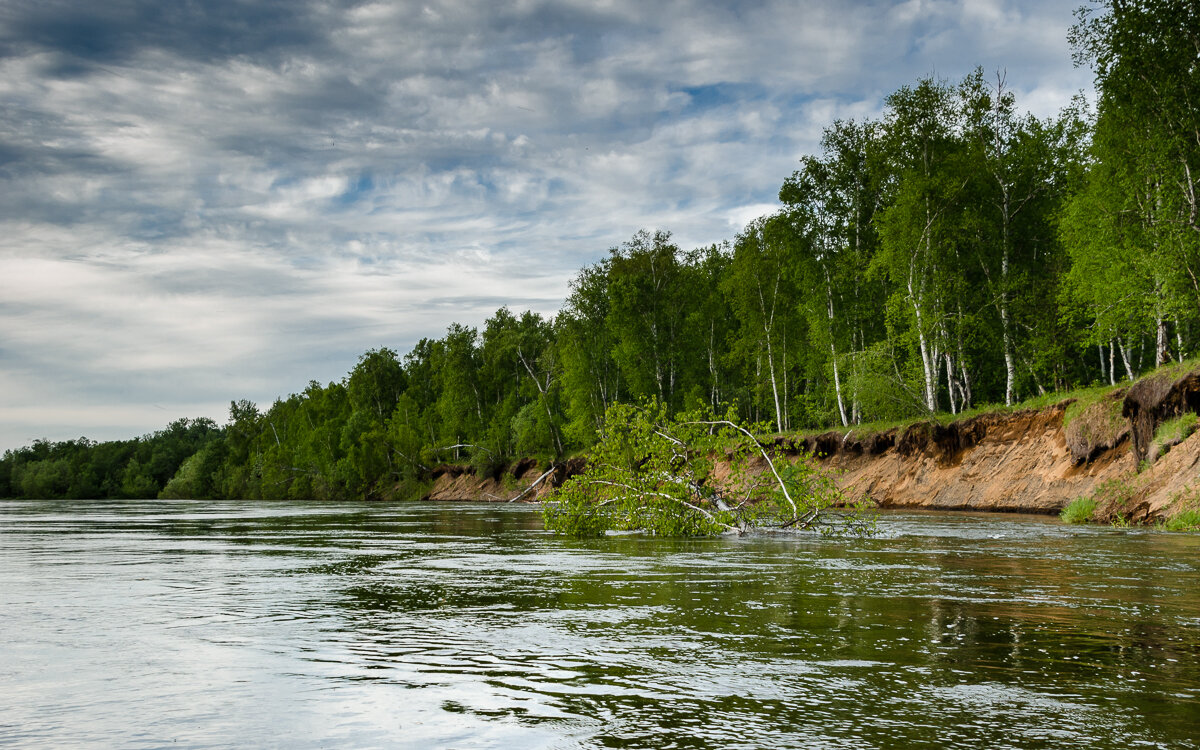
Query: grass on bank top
[[1087, 395], [1082, 398]]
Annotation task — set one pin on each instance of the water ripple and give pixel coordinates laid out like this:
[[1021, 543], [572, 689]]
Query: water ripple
[[311, 625]]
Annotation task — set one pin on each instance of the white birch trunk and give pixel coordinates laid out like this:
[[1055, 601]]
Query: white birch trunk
[[928, 359], [1160, 342], [950, 382], [837, 380], [1010, 368], [837, 386], [1125, 357], [768, 324], [774, 388], [787, 420], [714, 394]]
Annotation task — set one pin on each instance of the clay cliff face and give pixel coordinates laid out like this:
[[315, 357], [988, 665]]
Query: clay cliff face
[[1023, 462], [1027, 461], [996, 462], [524, 481]]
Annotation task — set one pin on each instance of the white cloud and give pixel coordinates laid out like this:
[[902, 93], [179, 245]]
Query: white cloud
[[233, 206], [740, 216]]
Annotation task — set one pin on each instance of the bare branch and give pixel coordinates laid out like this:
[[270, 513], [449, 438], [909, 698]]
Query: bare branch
[[650, 493], [782, 485], [536, 482]]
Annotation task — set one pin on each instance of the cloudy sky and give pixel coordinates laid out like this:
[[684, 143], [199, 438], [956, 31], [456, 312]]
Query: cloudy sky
[[218, 199]]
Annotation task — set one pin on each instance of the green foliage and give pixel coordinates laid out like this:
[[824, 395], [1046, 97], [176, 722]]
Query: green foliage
[[136, 482], [696, 475], [1079, 510], [1184, 520], [884, 395], [84, 469], [1132, 228], [48, 478], [760, 284], [1175, 431], [590, 375], [1183, 514], [532, 432]]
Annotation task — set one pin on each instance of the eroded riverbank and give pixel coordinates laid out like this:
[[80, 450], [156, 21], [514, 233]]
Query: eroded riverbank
[[1033, 461]]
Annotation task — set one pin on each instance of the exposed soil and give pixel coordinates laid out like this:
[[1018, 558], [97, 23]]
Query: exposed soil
[[459, 483], [995, 462]]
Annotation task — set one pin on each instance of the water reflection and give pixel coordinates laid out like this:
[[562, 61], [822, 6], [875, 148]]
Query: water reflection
[[307, 625]]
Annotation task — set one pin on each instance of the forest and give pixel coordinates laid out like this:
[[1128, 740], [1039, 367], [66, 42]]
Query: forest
[[953, 253]]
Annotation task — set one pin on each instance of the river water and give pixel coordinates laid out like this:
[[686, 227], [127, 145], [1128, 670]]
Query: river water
[[189, 625]]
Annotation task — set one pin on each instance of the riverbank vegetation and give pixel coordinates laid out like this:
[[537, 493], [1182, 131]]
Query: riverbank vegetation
[[695, 474], [1079, 510], [954, 252], [1111, 500]]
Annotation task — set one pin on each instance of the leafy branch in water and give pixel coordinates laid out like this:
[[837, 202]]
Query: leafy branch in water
[[696, 475]]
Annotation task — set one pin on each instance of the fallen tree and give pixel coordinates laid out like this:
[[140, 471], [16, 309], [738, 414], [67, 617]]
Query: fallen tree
[[695, 475]]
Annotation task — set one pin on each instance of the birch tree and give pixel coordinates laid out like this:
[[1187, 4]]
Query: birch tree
[[646, 314], [1142, 185], [761, 292], [917, 226], [831, 204], [591, 375], [521, 356], [1020, 167]]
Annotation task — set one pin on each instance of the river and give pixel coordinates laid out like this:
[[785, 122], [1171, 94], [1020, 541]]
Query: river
[[233, 624]]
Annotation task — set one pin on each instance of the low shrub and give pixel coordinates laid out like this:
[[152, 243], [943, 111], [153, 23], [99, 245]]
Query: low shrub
[[1079, 510], [410, 488], [1184, 511], [1115, 499], [1184, 520]]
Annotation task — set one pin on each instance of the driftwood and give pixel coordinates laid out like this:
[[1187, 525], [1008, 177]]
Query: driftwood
[[536, 482], [456, 446]]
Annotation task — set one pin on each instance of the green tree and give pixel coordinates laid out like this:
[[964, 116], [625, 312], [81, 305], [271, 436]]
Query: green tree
[[656, 474], [919, 232], [1138, 209], [375, 384], [760, 287], [459, 404], [831, 203], [591, 376], [1020, 168], [709, 326], [646, 314], [520, 356]]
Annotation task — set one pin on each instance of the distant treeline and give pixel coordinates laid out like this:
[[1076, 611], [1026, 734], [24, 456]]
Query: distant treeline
[[83, 468], [952, 253]]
